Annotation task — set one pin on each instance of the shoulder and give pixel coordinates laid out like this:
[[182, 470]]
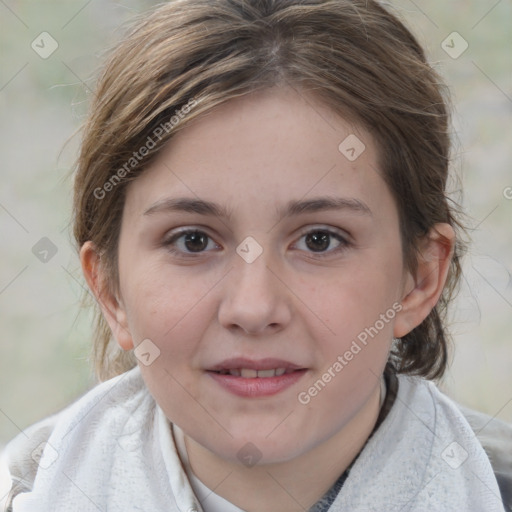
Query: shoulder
[[21, 458], [492, 434], [495, 436]]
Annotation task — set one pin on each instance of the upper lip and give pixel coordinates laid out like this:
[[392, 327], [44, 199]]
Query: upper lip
[[269, 363]]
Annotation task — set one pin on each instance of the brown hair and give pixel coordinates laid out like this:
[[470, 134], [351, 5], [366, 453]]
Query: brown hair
[[353, 55]]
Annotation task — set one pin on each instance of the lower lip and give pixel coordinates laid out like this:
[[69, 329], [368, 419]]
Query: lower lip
[[257, 386]]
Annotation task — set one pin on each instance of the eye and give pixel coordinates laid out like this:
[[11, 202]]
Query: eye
[[322, 241], [189, 241]]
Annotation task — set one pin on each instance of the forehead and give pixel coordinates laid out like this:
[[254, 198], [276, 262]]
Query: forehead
[[264, 149]]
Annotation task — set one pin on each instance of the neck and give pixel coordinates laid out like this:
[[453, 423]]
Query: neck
[[291, 486]]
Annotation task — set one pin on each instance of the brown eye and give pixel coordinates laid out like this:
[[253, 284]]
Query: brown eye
[[195, 241], [322, 242], [318, 240], [188, 242]]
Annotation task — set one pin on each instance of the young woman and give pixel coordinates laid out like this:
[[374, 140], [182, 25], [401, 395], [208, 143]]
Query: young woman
[[261, 214]]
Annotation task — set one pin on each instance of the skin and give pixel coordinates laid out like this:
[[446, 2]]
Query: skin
[[251, 156]]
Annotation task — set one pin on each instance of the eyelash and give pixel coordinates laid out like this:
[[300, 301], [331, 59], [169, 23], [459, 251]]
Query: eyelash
[[344, 243], [171, 240]]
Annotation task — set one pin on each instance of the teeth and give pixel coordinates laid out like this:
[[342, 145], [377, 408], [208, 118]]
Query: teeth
[[248, 373], [266, 373]]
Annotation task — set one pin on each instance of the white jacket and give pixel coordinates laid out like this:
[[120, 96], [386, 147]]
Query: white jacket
[[113, 450]]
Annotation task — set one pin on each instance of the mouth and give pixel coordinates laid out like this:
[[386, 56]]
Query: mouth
[[256, 378], [249, 373]]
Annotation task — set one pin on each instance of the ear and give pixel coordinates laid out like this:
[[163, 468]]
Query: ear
[[111, 307], [422, 291]]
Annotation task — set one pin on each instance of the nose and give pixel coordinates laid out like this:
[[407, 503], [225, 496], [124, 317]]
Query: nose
[[254, 300]]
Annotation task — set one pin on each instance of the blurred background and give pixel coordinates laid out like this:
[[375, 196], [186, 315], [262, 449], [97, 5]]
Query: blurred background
[[49, 53]]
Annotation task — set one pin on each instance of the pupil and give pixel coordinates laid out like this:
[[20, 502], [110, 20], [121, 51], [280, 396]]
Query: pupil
[[196, 242], [320, 241]]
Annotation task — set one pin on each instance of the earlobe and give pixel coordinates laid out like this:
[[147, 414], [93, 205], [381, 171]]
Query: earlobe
[[111, 307], [422, 291]]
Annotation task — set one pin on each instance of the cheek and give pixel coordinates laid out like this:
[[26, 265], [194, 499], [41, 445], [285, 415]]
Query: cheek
[[357, 298], [171, 314], [358, 308], [162, 306]]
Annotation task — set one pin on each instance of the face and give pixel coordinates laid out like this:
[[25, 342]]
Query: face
[[254, 244]]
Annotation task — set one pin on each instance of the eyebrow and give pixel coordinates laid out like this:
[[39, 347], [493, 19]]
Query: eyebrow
[[190, 205], [325, 203], [202, 207]]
